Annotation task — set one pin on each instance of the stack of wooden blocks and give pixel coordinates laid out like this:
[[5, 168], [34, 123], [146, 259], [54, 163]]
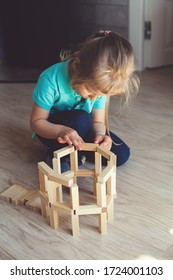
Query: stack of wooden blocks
[[19, 195], [52, 182]]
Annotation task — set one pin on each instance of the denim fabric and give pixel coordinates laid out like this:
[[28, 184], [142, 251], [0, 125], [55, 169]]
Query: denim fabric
[[80, 120]]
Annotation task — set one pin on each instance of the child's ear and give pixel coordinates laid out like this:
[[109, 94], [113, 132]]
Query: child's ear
[[76, 63]]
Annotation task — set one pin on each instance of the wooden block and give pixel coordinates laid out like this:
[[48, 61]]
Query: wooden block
[[103, 223], [105, 174], [69, 174], [104, 152], [113, 159], [57, 165], [28, 196], [44, 168], [64, 151], [54, 218], [111, 184], [61, 179], [18, 195], [85, 172], [52, 191], [43, 197], [88, 209], [10, 192], [75, 225], [57, 170], [74, 161], [110, 207], [74, 195], [34, 204], [101, 195], [62, 207], [16, 199], [44, 204], [41, 176], [89, 147], [98, 163]]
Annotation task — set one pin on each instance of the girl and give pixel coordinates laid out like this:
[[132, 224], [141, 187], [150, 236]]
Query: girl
[[71, 97]]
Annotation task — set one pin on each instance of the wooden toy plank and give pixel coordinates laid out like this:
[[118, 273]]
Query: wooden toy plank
[[44, 168], [57, 170], [69, 174], [74, 196], [104, 152], [74, 160], [62, 206], [16, 199], [52, 191], [113, 159], [43, 196], [60, 179], [54, 218], [44, 203], [88, 209], [98, 163], [110, 207], [14, 193], [89, 147], [75, 225], [101, 194], [28, 196], [103, 223], [10, 192], [111, 184], [41, 176], [85, 172], [56, 165], [34, 204], [64, 151], [106, 173]]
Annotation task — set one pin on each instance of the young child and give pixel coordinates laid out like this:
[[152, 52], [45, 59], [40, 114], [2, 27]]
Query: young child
[[71, 97]]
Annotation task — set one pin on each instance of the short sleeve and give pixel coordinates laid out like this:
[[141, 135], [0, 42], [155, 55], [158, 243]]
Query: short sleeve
[[100, 102], [44, 94]]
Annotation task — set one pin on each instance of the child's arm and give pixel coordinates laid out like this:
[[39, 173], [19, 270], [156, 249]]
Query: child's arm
[[41, 126], [99, 129]]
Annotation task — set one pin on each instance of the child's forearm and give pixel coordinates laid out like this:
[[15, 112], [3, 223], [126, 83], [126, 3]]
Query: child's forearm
[[98, 128], [46, 129]]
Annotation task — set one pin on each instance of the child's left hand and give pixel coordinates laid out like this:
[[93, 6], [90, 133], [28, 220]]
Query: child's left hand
[[103, 140]]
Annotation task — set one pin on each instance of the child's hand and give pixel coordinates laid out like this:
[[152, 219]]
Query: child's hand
[[71, 137], [103, 140]]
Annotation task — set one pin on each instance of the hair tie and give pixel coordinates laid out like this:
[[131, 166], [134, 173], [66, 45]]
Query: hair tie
[[104, 33]]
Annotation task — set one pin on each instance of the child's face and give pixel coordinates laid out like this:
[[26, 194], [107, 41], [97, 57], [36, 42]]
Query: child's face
[[86, 93]]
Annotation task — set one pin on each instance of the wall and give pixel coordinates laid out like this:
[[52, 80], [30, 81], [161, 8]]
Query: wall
[[34, 31], [93, 15], [1, 47]]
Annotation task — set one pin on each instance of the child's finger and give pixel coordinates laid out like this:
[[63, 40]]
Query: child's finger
[[61, 140]]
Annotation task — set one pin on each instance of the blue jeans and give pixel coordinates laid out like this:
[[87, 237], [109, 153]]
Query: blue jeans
[[80, 120]]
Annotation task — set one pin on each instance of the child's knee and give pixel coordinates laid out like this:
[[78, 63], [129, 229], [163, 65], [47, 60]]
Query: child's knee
[[123, 154]]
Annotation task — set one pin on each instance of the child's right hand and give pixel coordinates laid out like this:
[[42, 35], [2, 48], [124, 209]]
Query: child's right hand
[[71, 137]]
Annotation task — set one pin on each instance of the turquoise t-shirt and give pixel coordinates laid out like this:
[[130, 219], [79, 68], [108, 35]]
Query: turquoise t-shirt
[[53, 92]]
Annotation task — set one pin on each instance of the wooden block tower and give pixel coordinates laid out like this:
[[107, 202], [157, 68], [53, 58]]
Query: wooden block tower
[[52, 183]]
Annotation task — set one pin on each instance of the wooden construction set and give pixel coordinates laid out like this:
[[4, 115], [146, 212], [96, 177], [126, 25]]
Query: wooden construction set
[[50, 197], [52, 182]]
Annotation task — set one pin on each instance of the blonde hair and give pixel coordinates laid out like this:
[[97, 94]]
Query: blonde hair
[[106, 66]]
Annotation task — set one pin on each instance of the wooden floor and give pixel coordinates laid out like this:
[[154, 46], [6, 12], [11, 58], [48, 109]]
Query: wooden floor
[[143, 223]]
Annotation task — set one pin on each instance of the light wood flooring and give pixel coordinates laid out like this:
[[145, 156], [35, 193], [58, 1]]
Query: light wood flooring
[[143, 222]]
